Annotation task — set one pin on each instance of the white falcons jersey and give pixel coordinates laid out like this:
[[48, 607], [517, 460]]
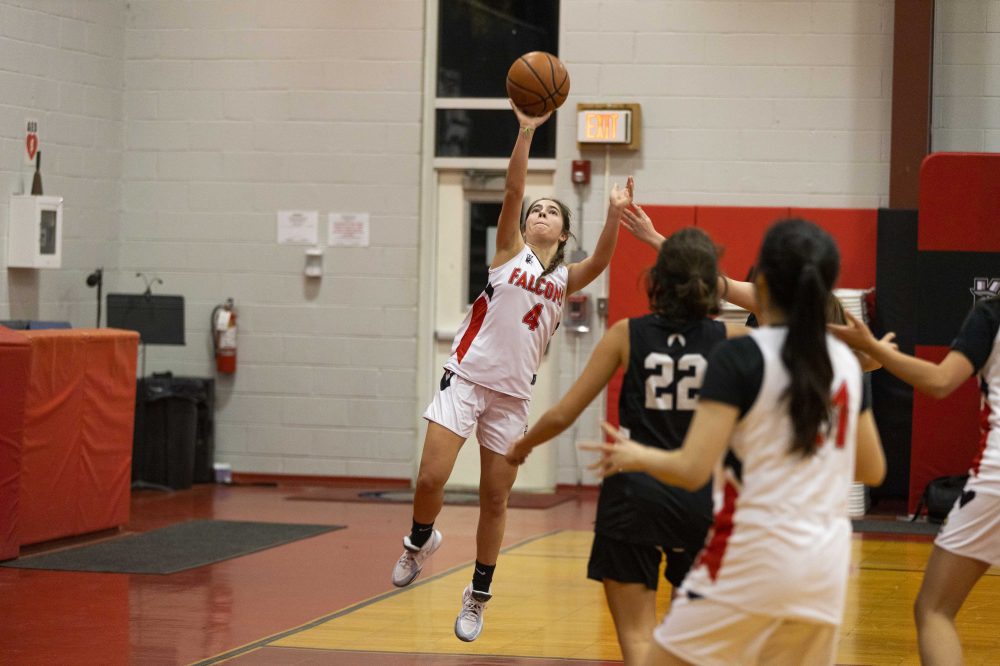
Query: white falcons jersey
[[501, 342], [780, 541]]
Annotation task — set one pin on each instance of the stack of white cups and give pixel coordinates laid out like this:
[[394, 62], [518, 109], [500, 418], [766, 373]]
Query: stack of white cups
[[857, 500]]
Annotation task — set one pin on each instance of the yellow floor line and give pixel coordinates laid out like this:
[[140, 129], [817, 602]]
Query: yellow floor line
[[542, 608]]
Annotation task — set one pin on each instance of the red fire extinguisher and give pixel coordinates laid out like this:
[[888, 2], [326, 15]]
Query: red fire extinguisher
[[224, 337]]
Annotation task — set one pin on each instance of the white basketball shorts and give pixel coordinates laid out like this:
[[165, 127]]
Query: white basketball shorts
[[708, 633], [498, 419], [973, 529]]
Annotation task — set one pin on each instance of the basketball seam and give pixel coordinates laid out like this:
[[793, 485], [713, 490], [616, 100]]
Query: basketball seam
[[548, 96], [540, 100], [534, 73], [559, 87], [552, 77]]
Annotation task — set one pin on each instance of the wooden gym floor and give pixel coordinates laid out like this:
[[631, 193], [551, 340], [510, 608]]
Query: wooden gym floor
[[328, 599]]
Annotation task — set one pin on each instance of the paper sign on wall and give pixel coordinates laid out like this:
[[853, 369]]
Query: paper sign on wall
[[349, 229], [298, 227]]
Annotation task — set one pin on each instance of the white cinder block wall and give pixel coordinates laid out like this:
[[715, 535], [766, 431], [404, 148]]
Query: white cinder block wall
[[61, 64], [966, 107], [234, 111], [176, 130]]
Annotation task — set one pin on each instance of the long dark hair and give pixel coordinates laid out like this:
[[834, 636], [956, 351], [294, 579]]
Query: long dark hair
[[800, 262], [683, 284], [560, 255]]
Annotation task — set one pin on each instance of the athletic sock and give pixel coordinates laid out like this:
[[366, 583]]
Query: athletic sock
[[420, 533], [483, 577]]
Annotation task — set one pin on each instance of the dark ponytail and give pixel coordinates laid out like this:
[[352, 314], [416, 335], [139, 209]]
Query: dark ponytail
[[799, 262]]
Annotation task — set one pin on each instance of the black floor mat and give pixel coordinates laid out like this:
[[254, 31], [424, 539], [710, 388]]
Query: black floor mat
[[896, 527], [174, 548]]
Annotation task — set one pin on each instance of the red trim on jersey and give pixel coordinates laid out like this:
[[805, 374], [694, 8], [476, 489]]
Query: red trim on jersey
[[478, 315], [722, 528], [984, 428], [841, 402]]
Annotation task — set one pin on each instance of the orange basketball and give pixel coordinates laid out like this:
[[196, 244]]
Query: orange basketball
[[538, 83]]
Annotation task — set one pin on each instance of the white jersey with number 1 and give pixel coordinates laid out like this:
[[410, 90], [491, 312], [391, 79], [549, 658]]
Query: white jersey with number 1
[[501, 342], [781, 541]]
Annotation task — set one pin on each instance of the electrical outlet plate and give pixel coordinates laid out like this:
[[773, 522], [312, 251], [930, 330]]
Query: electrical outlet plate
[[602, 307]]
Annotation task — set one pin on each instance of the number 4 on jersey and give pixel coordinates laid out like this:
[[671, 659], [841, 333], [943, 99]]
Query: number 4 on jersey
[[532, 318]]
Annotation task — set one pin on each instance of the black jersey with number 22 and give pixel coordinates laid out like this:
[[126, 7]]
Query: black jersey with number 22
[[659, 393], [666, 367]]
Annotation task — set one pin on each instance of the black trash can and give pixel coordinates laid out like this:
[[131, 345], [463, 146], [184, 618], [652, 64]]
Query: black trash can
[[201, 390], [166, 428]]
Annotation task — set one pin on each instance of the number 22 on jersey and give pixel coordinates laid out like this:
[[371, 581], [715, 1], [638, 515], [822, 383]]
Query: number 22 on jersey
[[662, 392]]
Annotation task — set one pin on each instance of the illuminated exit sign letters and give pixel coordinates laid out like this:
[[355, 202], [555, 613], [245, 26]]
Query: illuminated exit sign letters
[[608, 124], [597, 126]]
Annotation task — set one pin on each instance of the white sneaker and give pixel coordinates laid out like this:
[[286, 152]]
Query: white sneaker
[[469, 622], [412, 560]]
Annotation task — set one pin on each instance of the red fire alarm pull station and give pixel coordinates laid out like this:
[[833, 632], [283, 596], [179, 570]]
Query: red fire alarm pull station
[[581, 172], [578, 313]]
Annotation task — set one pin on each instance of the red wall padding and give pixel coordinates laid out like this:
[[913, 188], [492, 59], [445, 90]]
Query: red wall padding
[[959, 200], [946, 432], [738, 231], [15, 363], [856, 233]]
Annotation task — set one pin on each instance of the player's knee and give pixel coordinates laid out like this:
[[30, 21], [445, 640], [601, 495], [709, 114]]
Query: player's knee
[[429, 481], [924, 609], [919, 611], [493, 502]]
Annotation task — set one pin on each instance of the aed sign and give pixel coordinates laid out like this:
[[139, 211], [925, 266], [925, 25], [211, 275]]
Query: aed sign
[[604, 126], [30, 141]]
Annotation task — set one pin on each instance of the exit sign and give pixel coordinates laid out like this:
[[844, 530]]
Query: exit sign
[[607, 125], [596, 126]]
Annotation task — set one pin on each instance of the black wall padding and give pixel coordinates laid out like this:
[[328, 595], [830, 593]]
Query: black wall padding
[[896, 294], [945, 285]]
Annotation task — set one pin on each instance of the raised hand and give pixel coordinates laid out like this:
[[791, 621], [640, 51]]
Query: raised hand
[[856, 335], [518, 453], [622, 198], [634, 219], [622, 455], [524, 120]]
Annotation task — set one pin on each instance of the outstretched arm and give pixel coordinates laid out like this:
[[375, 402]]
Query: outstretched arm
[[689, 467], [509, 239], [738, 293], [935, 379], [583, 273], [611, 352], [638, 223], [868, 364]]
